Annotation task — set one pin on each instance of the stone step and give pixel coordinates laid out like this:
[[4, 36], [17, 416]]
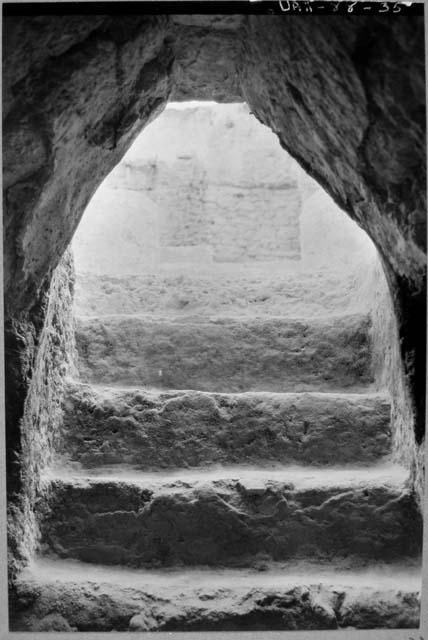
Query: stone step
[[58, 595], [219, 290], [152, 430], [227, 355], [225, 517]]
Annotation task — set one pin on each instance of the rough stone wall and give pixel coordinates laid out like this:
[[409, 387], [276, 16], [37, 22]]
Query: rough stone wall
[[362, 154], [212, 170], [76, 91], [390, 373], [70, 112], [172, 198], [49, 350]]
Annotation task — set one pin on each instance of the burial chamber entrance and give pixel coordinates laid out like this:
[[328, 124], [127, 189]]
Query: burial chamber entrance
[[258, 355]]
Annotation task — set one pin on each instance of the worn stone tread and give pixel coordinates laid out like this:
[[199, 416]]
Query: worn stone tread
[[226, 517], [70, 595], [227, 355], [154, 430], [272, 289], [299, 476]]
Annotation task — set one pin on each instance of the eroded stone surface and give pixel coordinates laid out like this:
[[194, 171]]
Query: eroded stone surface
[[223, 521], [59, 143], [151, 430], [38, 358], [74, 596], [178, 291], [226, 355]]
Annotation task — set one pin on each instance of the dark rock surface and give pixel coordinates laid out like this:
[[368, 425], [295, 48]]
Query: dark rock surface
[[226, 355], [63, 595], [229, 517], [72, 113], [152, 430], [38, 358]]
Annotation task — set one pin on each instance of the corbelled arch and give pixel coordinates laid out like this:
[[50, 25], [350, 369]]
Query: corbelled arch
[[345, 95]]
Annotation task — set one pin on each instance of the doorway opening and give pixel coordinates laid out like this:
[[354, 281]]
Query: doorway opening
[[232, 384], [233, 380], [208, 217]]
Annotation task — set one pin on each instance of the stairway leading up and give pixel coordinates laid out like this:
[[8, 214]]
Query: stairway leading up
[[225, 469]]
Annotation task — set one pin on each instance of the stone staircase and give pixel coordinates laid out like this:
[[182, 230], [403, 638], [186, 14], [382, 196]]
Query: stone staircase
[[225, 472]]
